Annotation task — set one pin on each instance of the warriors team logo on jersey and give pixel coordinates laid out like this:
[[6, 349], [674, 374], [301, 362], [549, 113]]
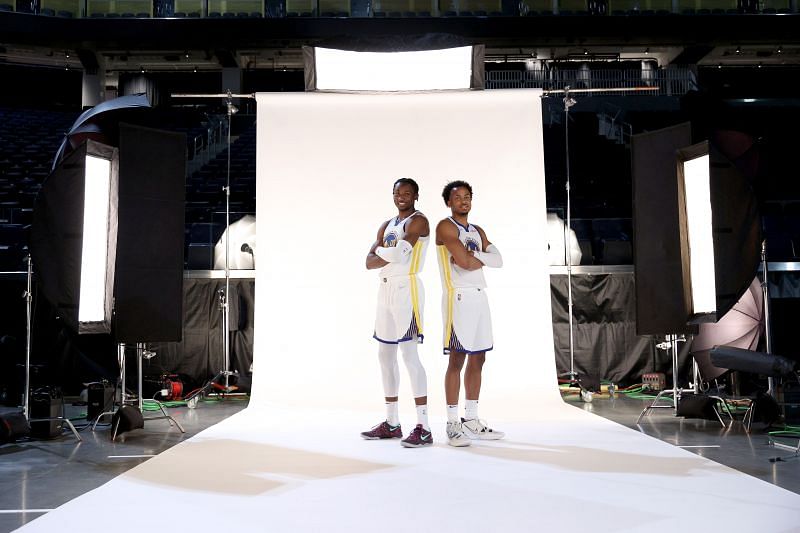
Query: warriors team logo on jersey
[[471, 245], [390, 240]]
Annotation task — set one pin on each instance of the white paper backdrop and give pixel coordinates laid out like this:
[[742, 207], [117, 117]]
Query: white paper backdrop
[[325, 168]]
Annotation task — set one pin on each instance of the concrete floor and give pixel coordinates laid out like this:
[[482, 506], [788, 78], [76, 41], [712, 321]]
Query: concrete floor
[[38, 475], [43, 474], [731, 446]]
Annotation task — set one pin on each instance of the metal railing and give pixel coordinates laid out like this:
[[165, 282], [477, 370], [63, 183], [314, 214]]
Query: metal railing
[[669, 82], [206, 146], [390, 8]]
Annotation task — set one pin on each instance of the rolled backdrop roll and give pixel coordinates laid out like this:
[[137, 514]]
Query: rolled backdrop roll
[[325, 167]]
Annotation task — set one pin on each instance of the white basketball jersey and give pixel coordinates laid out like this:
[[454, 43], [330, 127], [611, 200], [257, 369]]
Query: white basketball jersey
[[396, 231], [453, 276]]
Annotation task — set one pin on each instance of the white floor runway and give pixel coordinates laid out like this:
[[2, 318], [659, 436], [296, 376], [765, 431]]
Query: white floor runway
[[272, 468]]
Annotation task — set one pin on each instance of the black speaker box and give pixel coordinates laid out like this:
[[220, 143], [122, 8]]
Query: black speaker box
[[46, 403], [126, 418], [99, 399], [12, 427]]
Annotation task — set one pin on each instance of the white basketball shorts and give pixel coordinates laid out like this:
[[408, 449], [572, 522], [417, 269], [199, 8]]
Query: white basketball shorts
[[398, 316], [467, 321]]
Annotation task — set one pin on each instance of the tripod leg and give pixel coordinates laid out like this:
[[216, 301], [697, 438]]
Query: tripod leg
[[74, 431]]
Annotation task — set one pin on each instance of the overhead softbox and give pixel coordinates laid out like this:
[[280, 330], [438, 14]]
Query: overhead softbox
[[73, 237], [410, 63]]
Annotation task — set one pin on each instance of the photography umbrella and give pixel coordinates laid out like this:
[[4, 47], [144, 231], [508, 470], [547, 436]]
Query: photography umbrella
[[740, 328], [93, 124]]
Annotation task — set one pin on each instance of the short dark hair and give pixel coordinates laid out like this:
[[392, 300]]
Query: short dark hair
[[407, 181], [454, 185]]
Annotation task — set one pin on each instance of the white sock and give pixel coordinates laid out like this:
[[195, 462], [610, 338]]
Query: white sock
[[452, 413], [471, 410], [422, 416], [391, 413]]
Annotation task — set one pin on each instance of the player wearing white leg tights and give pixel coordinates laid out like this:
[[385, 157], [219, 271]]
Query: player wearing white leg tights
[[463, 250], [399, 253]]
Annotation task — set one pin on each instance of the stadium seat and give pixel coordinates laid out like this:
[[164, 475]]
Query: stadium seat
[[617, 252]]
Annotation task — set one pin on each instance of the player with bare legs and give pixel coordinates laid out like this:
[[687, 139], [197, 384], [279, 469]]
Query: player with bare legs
[[399, 253], [463, 250]]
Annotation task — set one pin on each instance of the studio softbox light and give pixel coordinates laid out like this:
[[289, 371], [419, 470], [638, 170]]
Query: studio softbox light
[[720, 232], [425, 63], [74, 237], [729, 244]]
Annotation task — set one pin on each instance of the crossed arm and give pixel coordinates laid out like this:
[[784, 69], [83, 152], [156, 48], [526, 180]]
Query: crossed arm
[[447, 235], [380, 256]]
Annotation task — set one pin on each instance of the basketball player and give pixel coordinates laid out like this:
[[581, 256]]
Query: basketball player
[[463, 251], [399, 253]]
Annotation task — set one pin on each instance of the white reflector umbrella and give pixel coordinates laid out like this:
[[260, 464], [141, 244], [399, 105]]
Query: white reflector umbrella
[[242, 246]]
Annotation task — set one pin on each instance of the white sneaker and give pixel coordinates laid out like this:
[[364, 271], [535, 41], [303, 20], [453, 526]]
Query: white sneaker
[[455, 435], [477, 429]]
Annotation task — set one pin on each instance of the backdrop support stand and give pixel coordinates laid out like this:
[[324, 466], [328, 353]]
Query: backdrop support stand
[[28, 339], [572, 374], [226, 372]]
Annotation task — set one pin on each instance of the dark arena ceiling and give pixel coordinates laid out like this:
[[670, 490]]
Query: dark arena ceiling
[[271, 43]]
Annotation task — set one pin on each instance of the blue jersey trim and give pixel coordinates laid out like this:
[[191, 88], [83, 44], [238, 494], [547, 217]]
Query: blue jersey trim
[[420, 339], [457, 223], [374, 336]]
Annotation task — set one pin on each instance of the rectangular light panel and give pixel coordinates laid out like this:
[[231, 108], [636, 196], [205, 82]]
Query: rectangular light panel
[[343, 70], [94, 251], [697, 189]]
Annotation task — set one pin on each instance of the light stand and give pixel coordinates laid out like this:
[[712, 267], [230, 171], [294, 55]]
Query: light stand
[[121, 385], [28, 338], [675, 392], [224, 297], [142, 353], [573, 376], [226, 316], [671, 344], [767, 328]]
